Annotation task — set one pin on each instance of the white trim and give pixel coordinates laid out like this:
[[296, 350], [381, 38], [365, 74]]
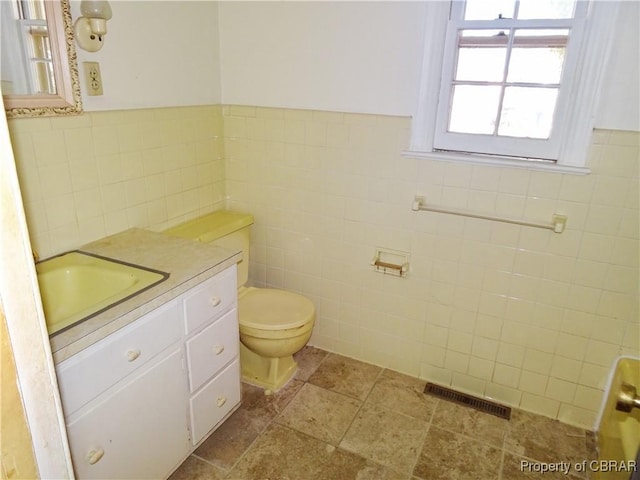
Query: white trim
[[496, 161], [493, 143], [422, 127], [594, 60], [26, 326], [577, 121]]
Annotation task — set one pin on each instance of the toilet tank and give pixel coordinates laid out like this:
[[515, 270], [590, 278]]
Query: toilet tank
[[224, 229]]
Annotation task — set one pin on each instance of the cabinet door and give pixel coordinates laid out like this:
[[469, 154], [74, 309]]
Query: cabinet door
[[137, 431], [87, 374]]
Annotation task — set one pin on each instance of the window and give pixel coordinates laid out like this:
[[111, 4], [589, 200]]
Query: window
[[512, 81], [31, 70]]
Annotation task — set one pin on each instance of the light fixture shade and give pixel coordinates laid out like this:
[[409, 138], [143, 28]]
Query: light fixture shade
[[95, 9]]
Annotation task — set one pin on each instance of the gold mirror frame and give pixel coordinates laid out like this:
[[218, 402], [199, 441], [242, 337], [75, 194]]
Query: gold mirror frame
[[67, 100]]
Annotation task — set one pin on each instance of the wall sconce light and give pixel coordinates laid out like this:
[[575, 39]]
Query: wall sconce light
[[91, 27]]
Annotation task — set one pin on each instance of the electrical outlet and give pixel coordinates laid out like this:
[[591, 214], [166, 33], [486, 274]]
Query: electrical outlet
[[93, 78]]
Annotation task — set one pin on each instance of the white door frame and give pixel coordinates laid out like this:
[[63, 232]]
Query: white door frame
[[28, 334]]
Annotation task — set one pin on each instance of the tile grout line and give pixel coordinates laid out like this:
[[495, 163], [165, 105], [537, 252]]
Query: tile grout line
[[362, 402], [506, 447], [273, 420], [202, 459], [380, 374], [261, 432], [424, 441]]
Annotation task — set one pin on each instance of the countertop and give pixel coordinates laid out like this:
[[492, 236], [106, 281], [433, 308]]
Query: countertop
[[187, 261]]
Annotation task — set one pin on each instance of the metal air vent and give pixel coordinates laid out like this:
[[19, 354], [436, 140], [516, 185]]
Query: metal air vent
[[467, 400]]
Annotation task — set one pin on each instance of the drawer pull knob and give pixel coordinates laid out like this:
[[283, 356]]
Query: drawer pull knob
[[221, 401], [215, 301], [218, 349], [132, 355], [95, 456]]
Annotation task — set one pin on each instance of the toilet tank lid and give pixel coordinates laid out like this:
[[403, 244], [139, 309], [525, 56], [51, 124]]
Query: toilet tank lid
[[211, 226]]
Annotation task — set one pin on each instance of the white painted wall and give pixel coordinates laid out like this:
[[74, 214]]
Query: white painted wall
[[365, 57], [620, 101], [337, 56], [156, 54]]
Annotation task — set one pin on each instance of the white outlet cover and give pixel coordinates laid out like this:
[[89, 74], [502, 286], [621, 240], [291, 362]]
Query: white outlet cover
[[92, 77]]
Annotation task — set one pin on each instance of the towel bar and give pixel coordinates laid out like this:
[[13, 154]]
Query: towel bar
[[557, 224]]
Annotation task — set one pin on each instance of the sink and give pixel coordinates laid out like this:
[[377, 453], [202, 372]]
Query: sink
[[77, 285]]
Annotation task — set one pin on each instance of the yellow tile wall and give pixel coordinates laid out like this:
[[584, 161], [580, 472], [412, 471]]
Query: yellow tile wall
[[528, 317], [525, 316], [88, 176]]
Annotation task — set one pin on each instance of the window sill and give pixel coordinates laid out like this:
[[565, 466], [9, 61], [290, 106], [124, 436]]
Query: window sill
[[497, 161]]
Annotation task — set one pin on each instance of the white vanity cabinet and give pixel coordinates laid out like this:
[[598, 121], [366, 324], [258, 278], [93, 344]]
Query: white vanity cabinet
[[137, 402]]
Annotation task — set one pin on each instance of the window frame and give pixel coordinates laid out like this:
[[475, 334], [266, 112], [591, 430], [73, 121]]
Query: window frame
[[580, 105]]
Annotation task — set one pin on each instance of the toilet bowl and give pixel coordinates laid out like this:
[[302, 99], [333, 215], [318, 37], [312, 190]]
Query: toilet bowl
[[274, 324]]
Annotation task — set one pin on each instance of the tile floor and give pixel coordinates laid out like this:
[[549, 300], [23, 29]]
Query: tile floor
[[340, 418]]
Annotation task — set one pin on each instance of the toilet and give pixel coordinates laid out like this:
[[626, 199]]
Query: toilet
[[274, 324]]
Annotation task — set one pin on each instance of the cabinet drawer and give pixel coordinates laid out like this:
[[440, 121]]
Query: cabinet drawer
[[210, 405], [210, 299], [212, 349], [89, 373]]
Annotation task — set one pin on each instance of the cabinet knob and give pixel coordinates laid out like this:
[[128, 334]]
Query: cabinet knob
[[218, 349], [220, 401], [132, 355], [94, 456], [215, 301]]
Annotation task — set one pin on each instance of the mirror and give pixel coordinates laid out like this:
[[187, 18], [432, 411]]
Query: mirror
[[39, 71]]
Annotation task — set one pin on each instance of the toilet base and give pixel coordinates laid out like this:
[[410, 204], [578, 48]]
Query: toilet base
[[268, 373]]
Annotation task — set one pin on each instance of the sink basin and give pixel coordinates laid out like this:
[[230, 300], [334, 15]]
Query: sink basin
[[76, 286]]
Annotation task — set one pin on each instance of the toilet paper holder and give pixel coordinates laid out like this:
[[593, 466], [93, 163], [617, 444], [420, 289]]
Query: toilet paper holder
[[391, 262]]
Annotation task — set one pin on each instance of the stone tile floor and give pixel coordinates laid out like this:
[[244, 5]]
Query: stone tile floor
[[342, 419]]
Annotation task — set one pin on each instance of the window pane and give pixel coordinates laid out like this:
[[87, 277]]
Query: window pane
[[552, 36], [546, 9], [33, 10], [488, 9], [536, 65], [474, 109], [481, 64], [43, 78], [478, 35], [527, 112]]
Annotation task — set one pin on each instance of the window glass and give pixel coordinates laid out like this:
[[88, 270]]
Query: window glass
[[527, 112], [537, 56], [536, 65], [30, 10], [474, 109], [506, 81], [489, 9], [530, 9], [481, 64]]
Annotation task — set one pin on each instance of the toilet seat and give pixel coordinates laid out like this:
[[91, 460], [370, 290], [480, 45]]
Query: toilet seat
[[273, 309]]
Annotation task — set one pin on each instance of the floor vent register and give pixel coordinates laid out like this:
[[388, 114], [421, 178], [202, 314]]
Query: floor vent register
[[469, 401]]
